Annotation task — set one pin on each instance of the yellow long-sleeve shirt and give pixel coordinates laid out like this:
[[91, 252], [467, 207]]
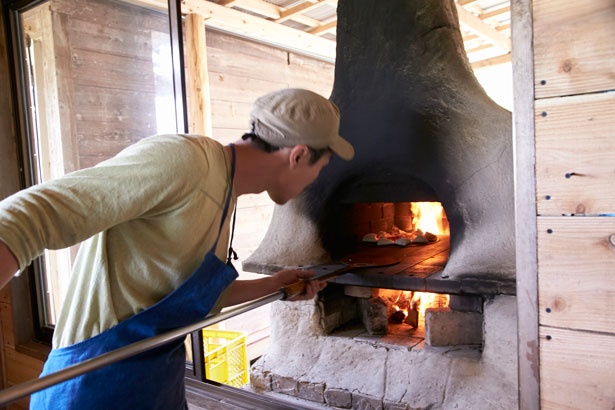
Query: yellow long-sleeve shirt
[[147, 218]]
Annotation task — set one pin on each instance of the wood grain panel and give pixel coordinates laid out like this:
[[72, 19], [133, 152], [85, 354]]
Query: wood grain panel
[[96, 104], [575, 135], [576, 370], [115, 15], [91, 35], [574, 47], [229, 87], [112, 71], [6, 319], [576, 272], [21, 367], [220, 42]]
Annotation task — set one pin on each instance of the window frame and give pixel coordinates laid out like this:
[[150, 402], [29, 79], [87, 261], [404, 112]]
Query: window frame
[[29, 288]]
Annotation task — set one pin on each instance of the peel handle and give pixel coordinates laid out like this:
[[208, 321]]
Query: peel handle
[[298, 287]]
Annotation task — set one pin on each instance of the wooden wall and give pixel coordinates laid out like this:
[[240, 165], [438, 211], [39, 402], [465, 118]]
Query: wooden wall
[[105, 57], [574, 75]]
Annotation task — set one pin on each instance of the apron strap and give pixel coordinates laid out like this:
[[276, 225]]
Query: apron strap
[[228, 197], [231, 252]]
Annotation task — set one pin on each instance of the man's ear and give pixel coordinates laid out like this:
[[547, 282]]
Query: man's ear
[[297, 153]]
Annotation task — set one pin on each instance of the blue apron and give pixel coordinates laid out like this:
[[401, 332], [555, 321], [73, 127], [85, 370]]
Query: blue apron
[[152, 379]]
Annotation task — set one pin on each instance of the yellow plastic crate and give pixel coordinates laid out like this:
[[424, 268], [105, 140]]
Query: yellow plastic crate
[[226, 358]]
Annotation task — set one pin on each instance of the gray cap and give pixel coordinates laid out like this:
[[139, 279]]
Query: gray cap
[[293, 116]]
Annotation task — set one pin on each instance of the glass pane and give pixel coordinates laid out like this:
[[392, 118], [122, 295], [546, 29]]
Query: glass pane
[[100, 78]]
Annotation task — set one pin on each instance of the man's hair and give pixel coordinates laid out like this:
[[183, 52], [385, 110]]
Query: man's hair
[[258, 142]]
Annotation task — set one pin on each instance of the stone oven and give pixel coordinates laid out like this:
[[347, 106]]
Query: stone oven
[[423, 130]]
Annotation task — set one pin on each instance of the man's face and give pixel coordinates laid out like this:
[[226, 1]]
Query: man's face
[[299, 176]]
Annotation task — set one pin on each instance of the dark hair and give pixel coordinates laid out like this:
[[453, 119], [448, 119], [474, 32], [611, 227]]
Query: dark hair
[[258, 142]]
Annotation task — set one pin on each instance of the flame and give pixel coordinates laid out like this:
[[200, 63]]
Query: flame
[[424, 300], [429, 217], [405, 300]]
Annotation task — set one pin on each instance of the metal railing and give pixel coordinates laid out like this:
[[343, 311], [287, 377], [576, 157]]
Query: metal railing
[[19, 391]]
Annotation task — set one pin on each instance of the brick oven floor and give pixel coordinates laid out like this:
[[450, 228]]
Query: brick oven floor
[[420, 269]]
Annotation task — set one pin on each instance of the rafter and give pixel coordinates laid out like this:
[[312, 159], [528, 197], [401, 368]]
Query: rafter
[[259, 29], [482, 29], [263, 8], [266, 22]]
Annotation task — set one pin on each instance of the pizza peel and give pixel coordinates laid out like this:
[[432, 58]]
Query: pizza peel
[[350, 263]]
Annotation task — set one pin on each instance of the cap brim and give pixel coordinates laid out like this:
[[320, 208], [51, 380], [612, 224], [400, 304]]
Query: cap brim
[[342, 148]]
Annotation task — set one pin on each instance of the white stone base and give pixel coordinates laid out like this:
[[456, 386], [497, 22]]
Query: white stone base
[[301, 358]]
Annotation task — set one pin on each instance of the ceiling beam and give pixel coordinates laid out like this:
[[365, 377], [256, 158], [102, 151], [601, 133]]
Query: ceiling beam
[[324, 28], [256, 28], [297, 10], [483, 29], [261, 7]]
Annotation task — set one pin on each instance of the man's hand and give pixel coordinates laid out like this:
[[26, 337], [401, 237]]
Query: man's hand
[[241, 291], [297, 284]]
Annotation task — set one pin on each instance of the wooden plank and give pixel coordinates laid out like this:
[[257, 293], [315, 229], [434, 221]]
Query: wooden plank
[[101, 104], [88, 161], [108, 139], [221, 64], [112, 71], [574, 47], [21, 367], [312, 74], [227, 87], [93, 36], [231, 114], [575, 135], [241, 47], [264, 8], [114, 15], [525, 204], [483, 30], [6, 321], [576, 272], [576, 370], [258, 29], [63, 73], [197, 87]]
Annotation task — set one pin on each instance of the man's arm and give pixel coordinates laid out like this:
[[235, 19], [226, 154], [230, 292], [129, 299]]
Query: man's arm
[[241, 291], [8, 265]]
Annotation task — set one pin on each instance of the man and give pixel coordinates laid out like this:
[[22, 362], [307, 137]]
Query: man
[[148, 217]]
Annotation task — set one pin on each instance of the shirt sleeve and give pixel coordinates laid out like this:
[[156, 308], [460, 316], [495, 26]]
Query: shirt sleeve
[[139, 182]]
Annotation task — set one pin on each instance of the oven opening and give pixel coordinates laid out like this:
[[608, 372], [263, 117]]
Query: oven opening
[[399, 224], [417, 234], [402, 317]]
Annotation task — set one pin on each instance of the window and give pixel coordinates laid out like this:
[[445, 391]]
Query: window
[[95, 80]]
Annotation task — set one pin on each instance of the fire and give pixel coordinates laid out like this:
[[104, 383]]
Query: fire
[[419, 301], [429, 217], [424, 300], [400, 223], [408, 304]]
